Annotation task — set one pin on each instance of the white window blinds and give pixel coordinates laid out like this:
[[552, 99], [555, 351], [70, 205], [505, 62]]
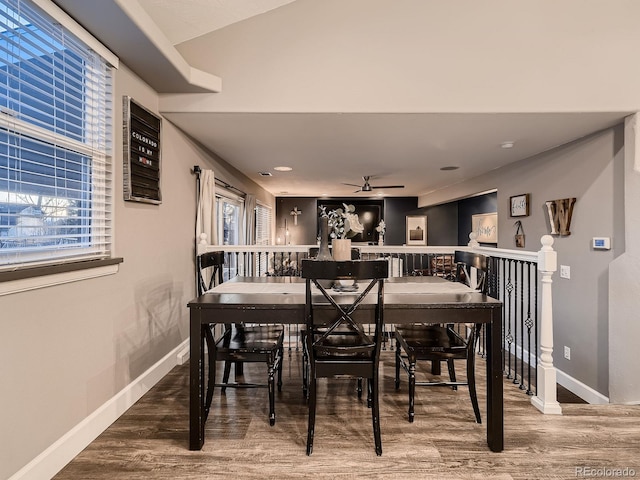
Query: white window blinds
[[263, 225], [55, 145]]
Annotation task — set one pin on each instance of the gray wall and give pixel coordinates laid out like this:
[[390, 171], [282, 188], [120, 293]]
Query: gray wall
[[66, 350], [590, 169]]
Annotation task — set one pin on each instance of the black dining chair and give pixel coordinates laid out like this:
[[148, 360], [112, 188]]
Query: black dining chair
[[356, 355], [239, 343], [437, 343], [313, 253]]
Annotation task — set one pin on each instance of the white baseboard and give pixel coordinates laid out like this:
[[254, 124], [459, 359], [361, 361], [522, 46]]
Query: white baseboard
[[585, 392], [56, 456]]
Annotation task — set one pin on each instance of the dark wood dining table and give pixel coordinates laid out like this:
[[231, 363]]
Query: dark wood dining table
[[281, 300]]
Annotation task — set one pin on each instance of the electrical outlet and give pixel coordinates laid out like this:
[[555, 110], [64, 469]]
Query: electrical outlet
[[567, 353], [565, 271]]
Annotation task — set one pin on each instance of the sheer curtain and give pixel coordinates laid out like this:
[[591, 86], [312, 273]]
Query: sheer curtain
[[249, 219], [206, 208]]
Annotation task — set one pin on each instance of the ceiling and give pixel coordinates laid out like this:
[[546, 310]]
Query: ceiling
[[326, 150]]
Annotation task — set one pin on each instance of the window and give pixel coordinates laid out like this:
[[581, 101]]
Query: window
[[263, 225], [230, 218], [229, 215], [263, 234], [55, 142]]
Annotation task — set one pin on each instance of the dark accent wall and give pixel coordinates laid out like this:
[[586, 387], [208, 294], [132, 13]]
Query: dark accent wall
[[394, 211], [447, 224], [487, 203], [305, 232], [442, 224]]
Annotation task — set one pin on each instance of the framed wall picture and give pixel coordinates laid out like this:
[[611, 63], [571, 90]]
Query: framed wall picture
[[519, 205], [416, 230], [485, 225]]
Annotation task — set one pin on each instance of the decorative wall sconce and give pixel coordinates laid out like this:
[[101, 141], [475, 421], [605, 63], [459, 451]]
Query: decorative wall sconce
[[560, 212], [295, 212]]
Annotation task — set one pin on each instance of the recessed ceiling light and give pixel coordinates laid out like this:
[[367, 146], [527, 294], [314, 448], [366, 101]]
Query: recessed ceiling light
[[265, 174], [283, 169], [508, 144], [450, 167]]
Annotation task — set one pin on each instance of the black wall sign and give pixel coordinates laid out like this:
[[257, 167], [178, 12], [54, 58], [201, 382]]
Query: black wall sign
[[141, 153]]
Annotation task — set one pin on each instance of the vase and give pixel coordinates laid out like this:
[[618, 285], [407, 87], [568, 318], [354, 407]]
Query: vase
[[341, 249], [381, 240], [323, 252]]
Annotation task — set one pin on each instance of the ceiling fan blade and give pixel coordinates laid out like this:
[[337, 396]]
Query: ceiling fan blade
[[358, 191], [387, 186], [352, 185]]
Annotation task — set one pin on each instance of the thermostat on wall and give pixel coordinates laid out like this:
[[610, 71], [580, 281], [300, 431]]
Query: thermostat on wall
[[601, 243]]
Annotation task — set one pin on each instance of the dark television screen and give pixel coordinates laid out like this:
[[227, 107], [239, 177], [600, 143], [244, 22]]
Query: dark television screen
[[369, 213]]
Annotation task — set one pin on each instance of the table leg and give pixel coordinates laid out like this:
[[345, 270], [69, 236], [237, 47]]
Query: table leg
[[495, 407], [196, 381]]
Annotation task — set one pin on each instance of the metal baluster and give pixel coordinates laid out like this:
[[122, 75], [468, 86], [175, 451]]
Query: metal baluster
[[507, 312], [535, 326], [530, 323], [522, 387]]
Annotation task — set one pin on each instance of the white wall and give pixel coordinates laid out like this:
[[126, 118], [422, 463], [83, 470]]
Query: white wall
[[68, 349], [591, 170], [423, 56]]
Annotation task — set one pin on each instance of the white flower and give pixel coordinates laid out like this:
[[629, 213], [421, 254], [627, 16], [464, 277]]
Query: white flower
[[381, 227], [352, 225]]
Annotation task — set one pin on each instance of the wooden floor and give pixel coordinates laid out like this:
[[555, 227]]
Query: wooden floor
[[150, 441]]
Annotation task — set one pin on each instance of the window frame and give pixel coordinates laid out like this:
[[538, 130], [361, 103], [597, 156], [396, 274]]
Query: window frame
[[22, 276]]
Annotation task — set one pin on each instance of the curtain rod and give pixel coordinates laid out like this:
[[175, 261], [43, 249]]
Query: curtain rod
[[197, 170]]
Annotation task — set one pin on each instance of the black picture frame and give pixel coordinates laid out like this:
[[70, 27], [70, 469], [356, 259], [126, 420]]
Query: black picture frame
[[142, 153], [519, 205]]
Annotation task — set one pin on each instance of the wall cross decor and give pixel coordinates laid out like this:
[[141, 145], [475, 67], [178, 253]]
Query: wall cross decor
[[560, 212], [295, 212]]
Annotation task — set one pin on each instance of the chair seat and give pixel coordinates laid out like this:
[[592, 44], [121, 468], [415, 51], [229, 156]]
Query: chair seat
[[431, 342], [259, 339]]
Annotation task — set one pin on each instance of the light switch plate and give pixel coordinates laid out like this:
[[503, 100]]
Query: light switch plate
[[565, 271]]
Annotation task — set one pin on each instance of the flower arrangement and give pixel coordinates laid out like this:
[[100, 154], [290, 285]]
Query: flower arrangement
[[381, 228], [343, 223]]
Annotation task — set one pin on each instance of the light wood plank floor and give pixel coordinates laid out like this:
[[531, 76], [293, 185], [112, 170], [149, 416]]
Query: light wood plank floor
[[150, 441]]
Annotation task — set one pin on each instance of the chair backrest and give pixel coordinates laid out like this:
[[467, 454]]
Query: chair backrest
[[315, 272], [355, 252], [466, 264], [209, 270]]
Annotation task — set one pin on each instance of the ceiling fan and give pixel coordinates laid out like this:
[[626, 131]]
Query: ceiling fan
[[367, 187]]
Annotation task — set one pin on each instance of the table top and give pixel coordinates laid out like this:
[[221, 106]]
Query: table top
[[289, 292]]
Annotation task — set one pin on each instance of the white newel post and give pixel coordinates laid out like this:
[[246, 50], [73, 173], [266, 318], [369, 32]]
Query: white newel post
[[546, 398]]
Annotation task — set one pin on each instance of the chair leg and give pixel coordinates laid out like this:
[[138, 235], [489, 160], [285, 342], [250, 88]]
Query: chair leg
[[375, 412], [398, 357], [312, 413], [471, 380], [280, 368], [412, 388], [239, 371], [305, 369], [272, 400], [359, 387], [452, 372], [369, 394], [225, 376]]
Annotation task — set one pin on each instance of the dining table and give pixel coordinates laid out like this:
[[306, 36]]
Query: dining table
[[407, 300]]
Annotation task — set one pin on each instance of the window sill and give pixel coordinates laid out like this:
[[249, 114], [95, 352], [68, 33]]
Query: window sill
[[47, 276]]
